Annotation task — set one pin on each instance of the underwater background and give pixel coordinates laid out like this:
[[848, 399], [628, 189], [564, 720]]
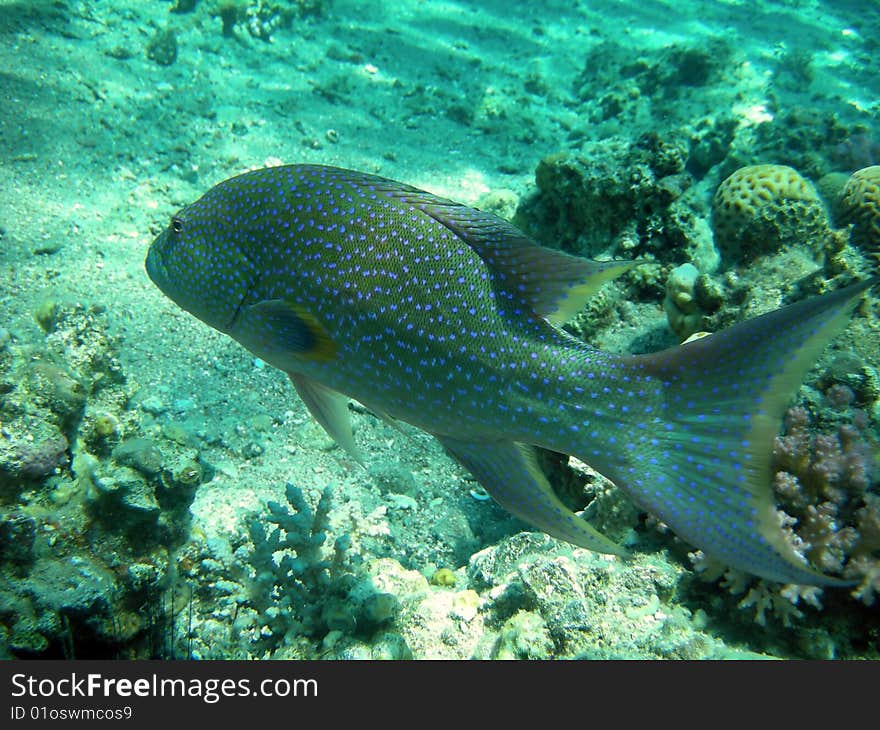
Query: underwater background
[[164, 494]]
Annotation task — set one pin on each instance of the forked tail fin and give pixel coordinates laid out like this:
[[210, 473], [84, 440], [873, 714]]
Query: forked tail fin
[[699, 457]]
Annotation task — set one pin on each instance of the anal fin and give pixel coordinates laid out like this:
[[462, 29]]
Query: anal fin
[[510, 473]]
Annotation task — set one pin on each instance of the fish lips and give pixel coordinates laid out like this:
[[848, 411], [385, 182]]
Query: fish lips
[[153, 263]]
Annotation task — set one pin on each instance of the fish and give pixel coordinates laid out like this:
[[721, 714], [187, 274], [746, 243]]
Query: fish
[[448, 318]]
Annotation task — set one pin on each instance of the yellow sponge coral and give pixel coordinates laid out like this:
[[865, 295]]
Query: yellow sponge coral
[[760, 208], [860, 205]]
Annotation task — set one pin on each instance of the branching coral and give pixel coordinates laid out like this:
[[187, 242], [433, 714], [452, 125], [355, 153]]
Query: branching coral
[[615, 194], [782, 604], [823, 463], [297, 589], [825, 480]]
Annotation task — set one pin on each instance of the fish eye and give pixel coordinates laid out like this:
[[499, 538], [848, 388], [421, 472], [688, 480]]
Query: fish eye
[[176, 223]]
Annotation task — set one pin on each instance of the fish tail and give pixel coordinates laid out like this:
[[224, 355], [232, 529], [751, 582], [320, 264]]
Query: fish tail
[[695, 449]]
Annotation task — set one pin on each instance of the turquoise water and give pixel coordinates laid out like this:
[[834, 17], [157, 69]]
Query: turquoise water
[[145, 458]]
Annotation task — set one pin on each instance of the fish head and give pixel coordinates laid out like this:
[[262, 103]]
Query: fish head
[[199, 263]]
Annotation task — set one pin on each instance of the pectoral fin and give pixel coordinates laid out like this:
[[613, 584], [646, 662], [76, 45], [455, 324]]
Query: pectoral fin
[[510, 473], [277, 328], [330, 409]]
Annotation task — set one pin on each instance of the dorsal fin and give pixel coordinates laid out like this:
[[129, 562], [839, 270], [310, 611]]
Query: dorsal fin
[[555, 284]]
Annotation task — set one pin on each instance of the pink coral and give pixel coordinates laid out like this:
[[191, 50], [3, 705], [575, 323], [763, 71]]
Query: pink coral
[[867, 570], [823, 481], [824, 462], [868, 522], [40, 460], [840, 396], [829, 541]]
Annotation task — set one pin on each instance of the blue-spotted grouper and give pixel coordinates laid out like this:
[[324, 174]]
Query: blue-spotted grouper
[[445, 317]]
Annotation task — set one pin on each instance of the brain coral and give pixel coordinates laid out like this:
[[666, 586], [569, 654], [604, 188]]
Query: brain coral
[[860, 205], [760, 208]]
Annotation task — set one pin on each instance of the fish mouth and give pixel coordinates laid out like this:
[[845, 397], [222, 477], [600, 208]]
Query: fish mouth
[[153, 263]]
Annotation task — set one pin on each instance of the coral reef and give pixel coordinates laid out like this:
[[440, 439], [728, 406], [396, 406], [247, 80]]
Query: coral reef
[[524, 636], [805, 137], [577, 604], [299, 589], [443, 577], [859, 204], [90, 511], [760, 208], [662, 80], [45, 391], [262, 18], [830, 188], [184, 6], [285, 592], [614, 197], [691, 297], [17, 536], [162, 47], [826, 480]]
